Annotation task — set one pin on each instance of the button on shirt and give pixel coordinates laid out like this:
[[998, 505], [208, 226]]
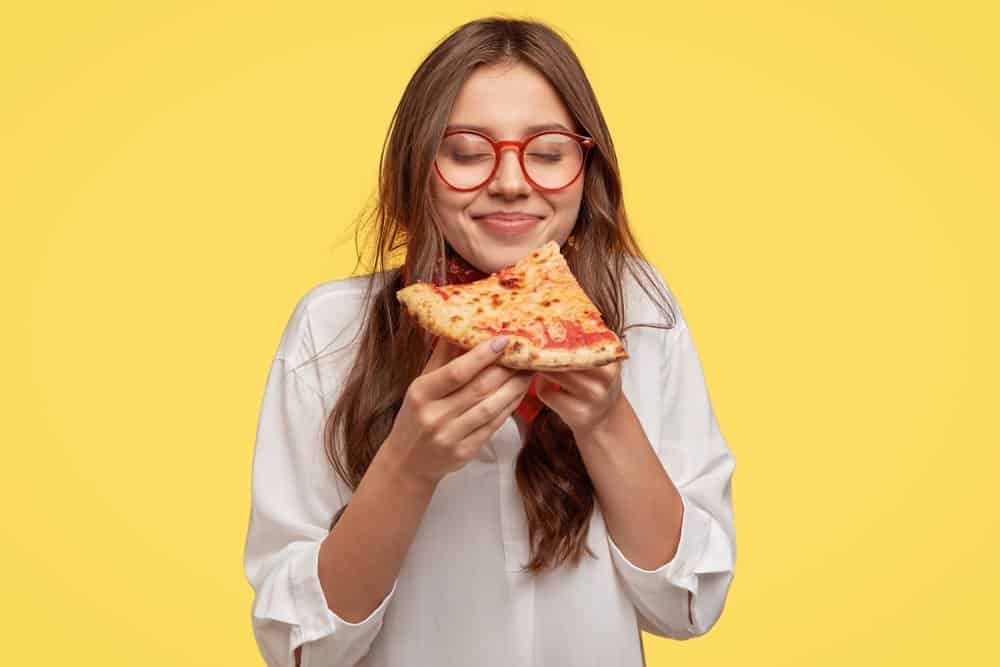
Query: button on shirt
[[460, 598]]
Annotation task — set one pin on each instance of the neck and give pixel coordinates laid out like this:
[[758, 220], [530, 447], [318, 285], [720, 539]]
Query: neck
[[457, 270]]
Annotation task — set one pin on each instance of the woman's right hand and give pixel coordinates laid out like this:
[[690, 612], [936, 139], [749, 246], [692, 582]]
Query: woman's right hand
[[453, 407]]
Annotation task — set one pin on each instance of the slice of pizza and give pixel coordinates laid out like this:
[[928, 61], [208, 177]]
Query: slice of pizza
[[551, 322]]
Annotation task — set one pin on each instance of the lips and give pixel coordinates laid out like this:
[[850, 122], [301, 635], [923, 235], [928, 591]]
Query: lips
[[509, 217], [508, 223]]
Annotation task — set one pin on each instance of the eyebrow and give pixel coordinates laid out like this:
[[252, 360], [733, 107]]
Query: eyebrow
[[528, 130]]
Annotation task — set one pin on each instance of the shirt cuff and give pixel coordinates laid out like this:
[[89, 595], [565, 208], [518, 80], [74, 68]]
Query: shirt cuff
[[679, 571], [316, 620]]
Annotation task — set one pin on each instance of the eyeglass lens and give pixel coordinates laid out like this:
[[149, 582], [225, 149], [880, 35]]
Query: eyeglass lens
[[466, 160]]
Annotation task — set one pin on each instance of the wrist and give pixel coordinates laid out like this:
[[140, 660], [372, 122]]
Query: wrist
[[402, 475], [607, 430]]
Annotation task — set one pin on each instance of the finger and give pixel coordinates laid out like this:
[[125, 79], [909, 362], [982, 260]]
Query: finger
[[479, 389], [557, 399], [603, 374], [582, 382], [479, 411], [556, 382], [457, 372], [478, 429]]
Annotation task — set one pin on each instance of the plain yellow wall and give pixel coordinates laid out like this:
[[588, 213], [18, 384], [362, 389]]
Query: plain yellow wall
[[817, 183]]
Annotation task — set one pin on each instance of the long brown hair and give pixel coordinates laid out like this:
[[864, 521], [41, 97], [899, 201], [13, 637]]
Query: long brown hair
[[555, 487]]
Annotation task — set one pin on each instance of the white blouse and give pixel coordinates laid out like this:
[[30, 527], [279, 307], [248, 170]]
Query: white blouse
[[459, 598]]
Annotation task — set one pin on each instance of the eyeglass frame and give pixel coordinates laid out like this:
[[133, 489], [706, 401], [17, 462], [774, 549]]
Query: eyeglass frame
[[586, 143]]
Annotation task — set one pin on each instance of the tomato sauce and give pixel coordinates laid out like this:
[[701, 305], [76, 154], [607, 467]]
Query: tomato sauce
[[575, 335]]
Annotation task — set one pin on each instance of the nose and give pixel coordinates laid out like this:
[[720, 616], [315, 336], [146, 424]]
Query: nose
[[509, 181]]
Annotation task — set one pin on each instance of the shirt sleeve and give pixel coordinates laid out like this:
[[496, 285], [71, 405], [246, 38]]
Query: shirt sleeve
[[685, 597], [294, 496]]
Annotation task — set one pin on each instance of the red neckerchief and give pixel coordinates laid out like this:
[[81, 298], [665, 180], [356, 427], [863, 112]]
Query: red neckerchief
[[459, 271]]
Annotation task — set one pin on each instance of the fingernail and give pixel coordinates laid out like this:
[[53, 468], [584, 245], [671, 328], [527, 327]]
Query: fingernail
[[499, 343]]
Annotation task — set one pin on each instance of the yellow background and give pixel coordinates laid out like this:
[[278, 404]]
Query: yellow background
[[818, 184]]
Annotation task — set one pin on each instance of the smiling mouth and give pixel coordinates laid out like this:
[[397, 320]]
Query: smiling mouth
[[506, 223], [508, 217]]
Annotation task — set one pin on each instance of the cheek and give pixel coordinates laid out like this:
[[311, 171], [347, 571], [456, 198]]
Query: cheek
[[448, 202], [567, 204]]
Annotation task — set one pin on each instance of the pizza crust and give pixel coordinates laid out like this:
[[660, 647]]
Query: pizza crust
[[551, 322]]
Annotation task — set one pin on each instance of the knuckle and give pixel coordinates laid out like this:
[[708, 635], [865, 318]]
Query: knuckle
[[425, 420], [481, 387], [437, 440], [418, 391], [453, 374], [467, 451], [483, 412], [459, 455]]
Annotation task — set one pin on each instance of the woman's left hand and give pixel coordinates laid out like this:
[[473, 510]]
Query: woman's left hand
[[585, 398]]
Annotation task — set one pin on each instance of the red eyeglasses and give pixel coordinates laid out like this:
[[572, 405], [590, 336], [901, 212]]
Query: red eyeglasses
[[550, 161]]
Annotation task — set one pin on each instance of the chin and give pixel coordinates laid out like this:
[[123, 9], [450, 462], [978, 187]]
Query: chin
[[506, 254]]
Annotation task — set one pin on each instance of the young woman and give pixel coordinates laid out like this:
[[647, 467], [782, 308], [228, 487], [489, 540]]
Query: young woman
[[465, 513]]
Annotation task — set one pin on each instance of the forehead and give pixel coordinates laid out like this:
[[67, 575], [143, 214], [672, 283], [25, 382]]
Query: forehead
[[506, 100]]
